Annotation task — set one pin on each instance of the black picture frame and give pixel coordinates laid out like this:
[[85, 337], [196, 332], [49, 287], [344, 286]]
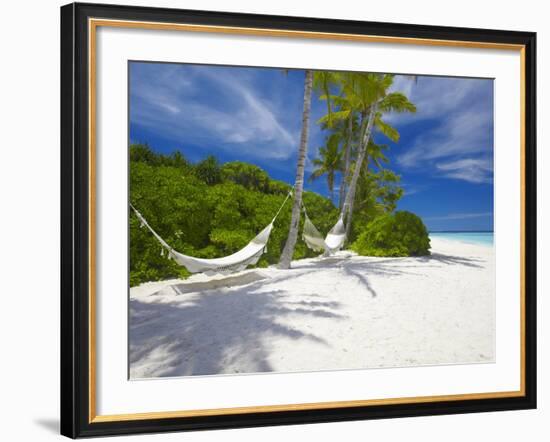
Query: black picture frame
[[75, 221]]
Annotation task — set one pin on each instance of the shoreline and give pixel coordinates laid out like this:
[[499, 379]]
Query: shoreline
[[467, 237]]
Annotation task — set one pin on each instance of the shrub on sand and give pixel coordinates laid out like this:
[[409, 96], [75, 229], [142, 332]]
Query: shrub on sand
[[399, 234]]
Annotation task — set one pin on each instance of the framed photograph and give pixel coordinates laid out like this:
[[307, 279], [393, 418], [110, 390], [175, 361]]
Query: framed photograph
[[275, 220]]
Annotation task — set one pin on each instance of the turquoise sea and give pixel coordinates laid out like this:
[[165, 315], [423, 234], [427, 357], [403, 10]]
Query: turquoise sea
[[483, 238]]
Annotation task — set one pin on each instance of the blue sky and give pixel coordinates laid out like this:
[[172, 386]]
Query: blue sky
[[444, 156]]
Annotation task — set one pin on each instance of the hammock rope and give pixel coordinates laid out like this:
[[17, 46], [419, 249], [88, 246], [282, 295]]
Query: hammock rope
[[311, 236], [282, 205], [333, 242], [248, 255]]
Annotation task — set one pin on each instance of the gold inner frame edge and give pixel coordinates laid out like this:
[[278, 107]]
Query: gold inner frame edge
[[93, 24]]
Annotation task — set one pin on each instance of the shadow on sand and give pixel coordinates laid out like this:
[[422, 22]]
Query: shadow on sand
[[204, 333], [450, 259]]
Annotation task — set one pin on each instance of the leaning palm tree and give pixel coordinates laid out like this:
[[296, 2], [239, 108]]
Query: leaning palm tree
[[351, 129], [288, 251], [322, 82], [348, 130], [378, 188], [374, 154], [368, 94], [329, 162], [344, 121], [353, 104], [350, 117]]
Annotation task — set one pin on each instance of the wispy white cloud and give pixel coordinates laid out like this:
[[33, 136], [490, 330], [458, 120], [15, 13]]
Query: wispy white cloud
[[452, 216], [433, 96], [257, 116], [412, 189], [461, 134], [457, 114], [198, 105], [473, 170]]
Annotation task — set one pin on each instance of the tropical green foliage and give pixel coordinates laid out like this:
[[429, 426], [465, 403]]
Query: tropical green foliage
[[399, 234], [247, 175], [377, 194], [329, 162], [356, 104], [209, 170], [207, 210], [211, 210]]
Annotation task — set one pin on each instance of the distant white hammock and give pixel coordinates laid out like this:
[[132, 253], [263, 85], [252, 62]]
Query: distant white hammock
[[249, 255], [332, 243]]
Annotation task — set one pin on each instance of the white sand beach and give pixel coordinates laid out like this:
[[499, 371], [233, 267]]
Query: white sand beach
[[341, 312]]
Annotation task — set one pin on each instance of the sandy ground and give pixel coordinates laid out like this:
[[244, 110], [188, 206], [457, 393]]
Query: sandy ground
[[342, 312]]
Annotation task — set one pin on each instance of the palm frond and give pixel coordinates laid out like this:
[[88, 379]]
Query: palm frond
[[396, 102], [334, 116], [386, 129]]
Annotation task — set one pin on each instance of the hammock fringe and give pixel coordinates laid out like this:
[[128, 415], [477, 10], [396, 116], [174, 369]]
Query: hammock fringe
[[333, 242], [248, 255]]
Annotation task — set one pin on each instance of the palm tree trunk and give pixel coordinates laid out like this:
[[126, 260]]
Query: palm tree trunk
[[288, 251], [341, 191], [330, 182], [350, 196], [348, 221], [362, 128], [347, 162]]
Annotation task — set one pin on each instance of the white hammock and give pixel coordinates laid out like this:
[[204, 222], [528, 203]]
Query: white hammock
[[336, 236], [249, 255], [334, 240], [311, 235]]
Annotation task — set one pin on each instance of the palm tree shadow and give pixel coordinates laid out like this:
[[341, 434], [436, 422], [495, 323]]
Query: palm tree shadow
[[218, 333], [362, 279], [228, 329], [387, 267], [451, 259], [322, 263], [362, 270]]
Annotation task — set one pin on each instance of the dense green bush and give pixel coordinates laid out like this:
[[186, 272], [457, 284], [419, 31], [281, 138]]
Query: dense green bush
[[207, 210], [142, 153], [209, 170], [377, 194], [399, 234], [247, 175]]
